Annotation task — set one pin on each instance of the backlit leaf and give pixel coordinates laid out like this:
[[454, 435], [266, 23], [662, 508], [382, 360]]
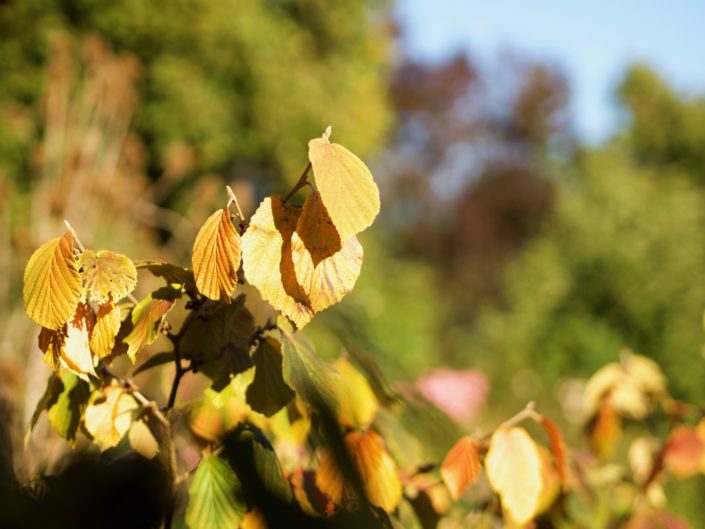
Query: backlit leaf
[[346, 186], [109, 415], [325, 270], [216, 257], [268, 262], [146, 317], [312, 379], [513, 465], [268, 392], [357, 404], [142, 440], [214, 501], [557, 447], [52, 285], [461, 466], [69, 346], [377, 469], [108, 276], [66, 413], [107, 325]]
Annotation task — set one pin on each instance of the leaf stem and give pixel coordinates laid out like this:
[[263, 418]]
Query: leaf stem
[[233, 200], [75, 236], [303, 179]]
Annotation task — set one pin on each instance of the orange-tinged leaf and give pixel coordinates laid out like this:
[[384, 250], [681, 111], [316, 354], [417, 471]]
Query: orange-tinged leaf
[[109, 416], [377, 469], [557, 447], [146, 317], [606, 429], [267, 259], [108, 276], [107, 326], [346, 186], [325, 270], [514, 469], [52, 284], [51, 344], [461, 466], [685, 452], [253, 519], [329, 479], [142, 440], [216, 257], [69, 346]]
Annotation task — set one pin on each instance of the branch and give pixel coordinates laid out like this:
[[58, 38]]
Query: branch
[[302, 182], [139, 396]]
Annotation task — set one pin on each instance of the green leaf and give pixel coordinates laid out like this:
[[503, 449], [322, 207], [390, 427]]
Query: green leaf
[[219, 342], [66, 413], [146, 317], [266, 463], [51, 395], [214, 502], [311, 378], [268, 392]]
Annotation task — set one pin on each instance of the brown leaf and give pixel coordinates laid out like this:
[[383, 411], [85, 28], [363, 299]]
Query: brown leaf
[[461, 466], [216, 257], [52, 285]]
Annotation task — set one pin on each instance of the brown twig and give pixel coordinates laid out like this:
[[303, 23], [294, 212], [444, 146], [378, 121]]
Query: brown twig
[[301, 183]]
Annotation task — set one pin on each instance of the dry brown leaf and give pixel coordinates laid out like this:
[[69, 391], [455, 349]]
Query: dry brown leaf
[[108, 276], [267, 259], [514, 469], [461, 467], [52, 285], [216, 257], [346, 186]]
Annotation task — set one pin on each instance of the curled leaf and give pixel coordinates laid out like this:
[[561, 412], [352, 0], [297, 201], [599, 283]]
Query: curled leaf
[[346, 186], [52, 285], [146, 317], [216, 257], [108, 276], [267, 259], [461, 466], [514, 469]]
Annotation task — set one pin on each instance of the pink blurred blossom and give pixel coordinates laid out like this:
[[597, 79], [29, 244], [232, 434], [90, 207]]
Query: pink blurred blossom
[[460, 394]]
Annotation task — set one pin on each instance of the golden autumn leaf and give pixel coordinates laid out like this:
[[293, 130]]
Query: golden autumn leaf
[[606, 429], [146, 317], [346, 186], [325, 270], [142, 440], [70, 345], [376, 467], [461, 467], [357, 404], [107, 276], [267, 259], [514, 470], [109, 415], [52, 284], [107, 326], [216, 257]]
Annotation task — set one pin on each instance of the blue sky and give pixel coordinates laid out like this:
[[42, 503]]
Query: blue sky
[[592, 41]]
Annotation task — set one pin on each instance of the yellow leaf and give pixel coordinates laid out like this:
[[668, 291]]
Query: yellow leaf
[[146, 317], [377, 469], [216, 257], [325, 271], [514, 469], [357, 404], [346, 186], [109, 416], [52, 285], [69, 346], [461, 467], [267, 259], [106, 328], [108, 276], [142, 440]]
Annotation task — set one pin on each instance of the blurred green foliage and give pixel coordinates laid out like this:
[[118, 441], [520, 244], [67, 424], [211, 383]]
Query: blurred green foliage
[[620, 262], [245, 83]]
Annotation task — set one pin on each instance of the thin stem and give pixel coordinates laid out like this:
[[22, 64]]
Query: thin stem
[[75, 236], [302, 182], [137, 394]]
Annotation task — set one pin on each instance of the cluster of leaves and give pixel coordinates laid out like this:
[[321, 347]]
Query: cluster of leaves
[[324, 438]]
